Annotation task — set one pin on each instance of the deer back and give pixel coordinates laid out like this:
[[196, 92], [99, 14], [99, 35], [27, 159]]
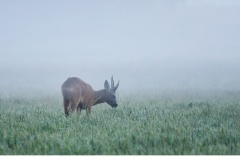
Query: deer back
[[74, 89]]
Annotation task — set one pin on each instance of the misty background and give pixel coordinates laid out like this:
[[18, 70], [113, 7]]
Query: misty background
[[146, 44]]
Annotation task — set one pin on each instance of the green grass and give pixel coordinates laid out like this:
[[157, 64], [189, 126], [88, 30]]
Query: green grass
[[159, 125]]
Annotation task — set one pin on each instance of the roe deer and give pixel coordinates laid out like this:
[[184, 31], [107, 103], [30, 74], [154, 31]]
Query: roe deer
[[78, 95]]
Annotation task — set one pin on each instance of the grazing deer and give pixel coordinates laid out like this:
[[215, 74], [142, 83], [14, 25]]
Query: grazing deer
[[78, 95]]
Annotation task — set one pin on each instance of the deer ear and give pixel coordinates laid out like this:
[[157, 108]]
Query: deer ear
[[106, 85]]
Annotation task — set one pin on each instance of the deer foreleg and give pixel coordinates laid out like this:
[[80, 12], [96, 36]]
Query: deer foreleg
[[89, 110], [79, 108]]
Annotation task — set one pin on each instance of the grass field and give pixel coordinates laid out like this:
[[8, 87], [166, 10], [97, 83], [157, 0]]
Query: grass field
[[164, 124]]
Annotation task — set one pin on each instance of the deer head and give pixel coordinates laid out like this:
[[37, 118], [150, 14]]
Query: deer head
[[111, 93]]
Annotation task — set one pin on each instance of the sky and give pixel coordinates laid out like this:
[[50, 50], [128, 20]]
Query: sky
[[145, 44]]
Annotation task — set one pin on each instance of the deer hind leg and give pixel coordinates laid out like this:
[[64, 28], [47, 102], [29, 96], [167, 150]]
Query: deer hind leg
[[66, 103], [73, 106]]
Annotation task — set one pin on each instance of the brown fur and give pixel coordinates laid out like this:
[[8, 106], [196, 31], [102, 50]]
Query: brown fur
[[78, 95]]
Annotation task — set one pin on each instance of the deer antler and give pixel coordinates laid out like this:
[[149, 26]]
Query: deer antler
[[112, 82], [115, 87]]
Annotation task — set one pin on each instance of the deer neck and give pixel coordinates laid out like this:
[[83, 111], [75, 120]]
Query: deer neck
[[99, 96]]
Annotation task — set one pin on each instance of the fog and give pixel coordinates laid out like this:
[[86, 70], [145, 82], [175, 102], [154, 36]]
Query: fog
[[146, 44]]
